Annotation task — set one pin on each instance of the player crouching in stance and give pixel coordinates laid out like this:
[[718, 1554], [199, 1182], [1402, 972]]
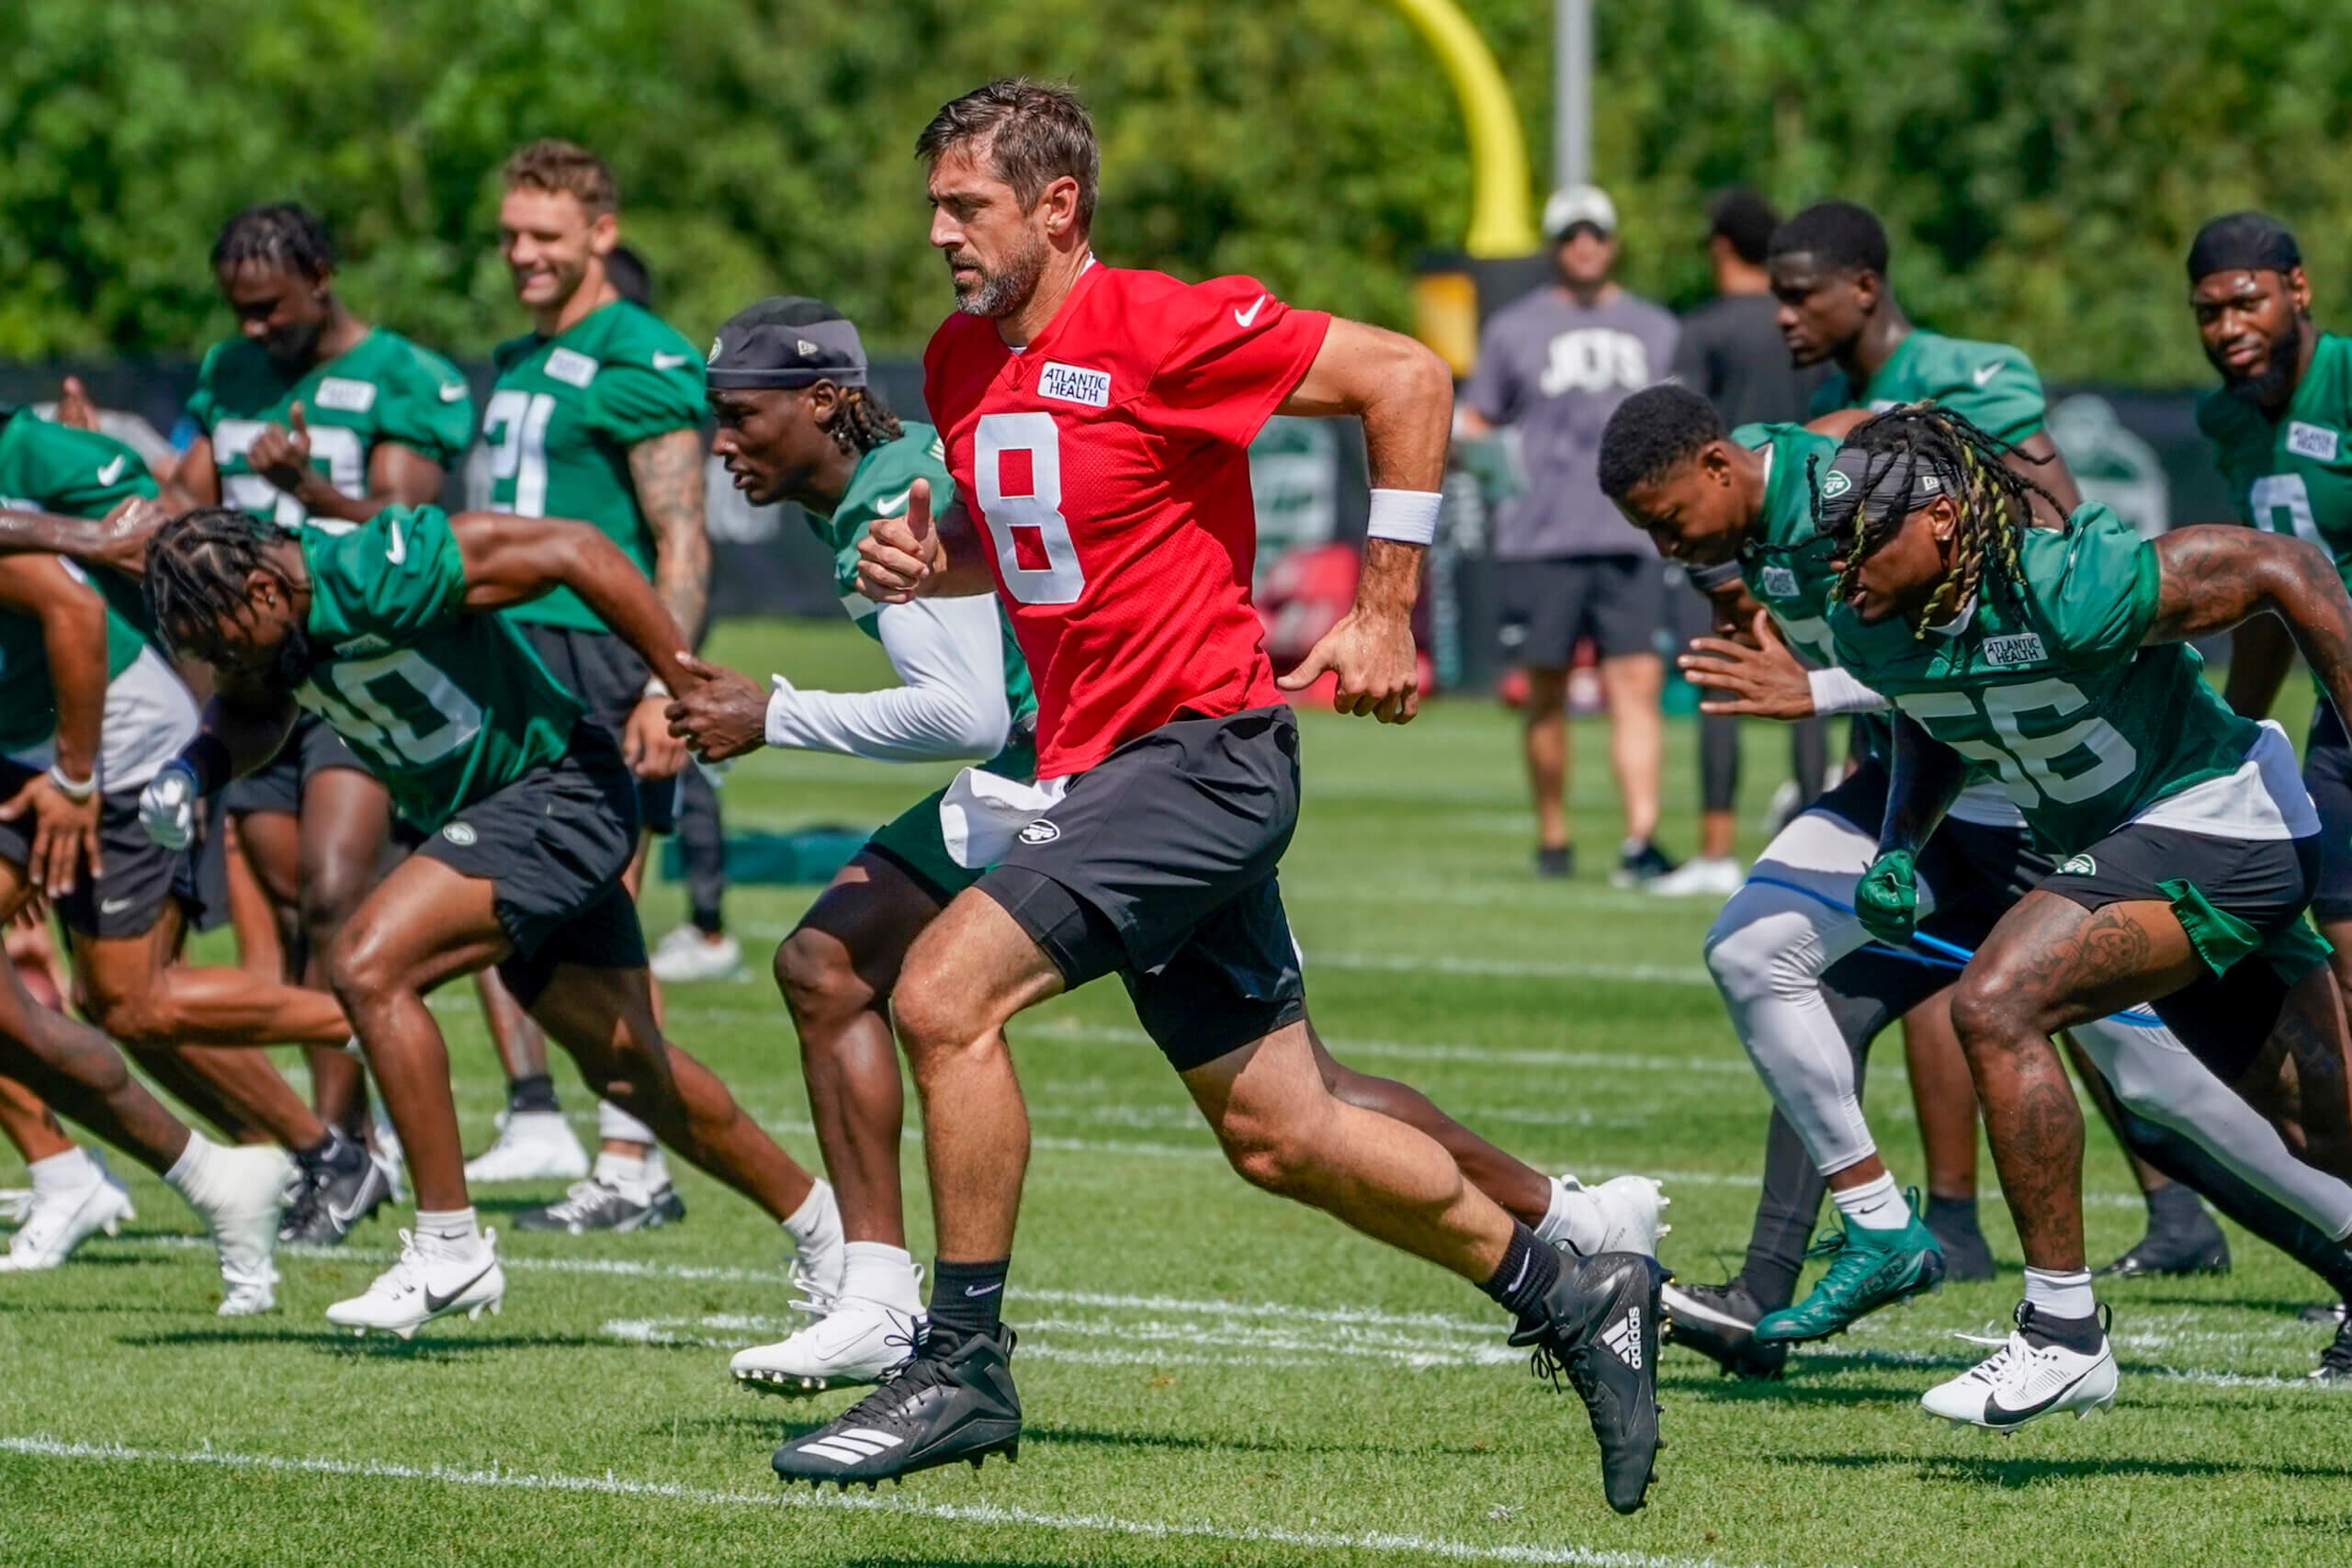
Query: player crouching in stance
[[2055, 657], [387, 632], [1103, 493]]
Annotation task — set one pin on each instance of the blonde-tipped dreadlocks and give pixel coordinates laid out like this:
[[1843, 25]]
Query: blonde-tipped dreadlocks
[[1996, 500]]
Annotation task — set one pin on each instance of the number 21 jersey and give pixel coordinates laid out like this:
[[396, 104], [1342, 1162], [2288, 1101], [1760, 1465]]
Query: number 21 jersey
[[1106, 467]]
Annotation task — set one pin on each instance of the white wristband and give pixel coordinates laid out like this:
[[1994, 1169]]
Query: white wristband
[[1408, 516], [73, 789], [1836, 691], [654, 687]]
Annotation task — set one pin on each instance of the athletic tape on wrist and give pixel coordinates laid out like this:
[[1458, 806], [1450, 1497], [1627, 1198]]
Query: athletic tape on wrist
[[1408, 516], [1836, 691]]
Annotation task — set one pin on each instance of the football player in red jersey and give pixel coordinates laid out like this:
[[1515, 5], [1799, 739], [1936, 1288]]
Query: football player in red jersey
[[1097, 421]]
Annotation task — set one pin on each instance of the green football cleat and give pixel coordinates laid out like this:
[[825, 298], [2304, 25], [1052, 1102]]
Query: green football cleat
[[1868, 1270]]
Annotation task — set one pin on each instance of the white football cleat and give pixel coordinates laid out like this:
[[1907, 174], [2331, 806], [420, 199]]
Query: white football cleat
[[2022, 1381], [16, 1203], [1630, 1207], [687, 954], [248, 1188], [859, 1341], [531, 1146], [424, 1285], [56, 1223]]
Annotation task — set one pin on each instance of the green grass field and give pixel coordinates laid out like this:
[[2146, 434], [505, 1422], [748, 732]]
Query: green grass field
[[1209, 1375]]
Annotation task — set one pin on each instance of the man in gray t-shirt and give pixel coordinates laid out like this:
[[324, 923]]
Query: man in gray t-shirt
[[1552, 367]]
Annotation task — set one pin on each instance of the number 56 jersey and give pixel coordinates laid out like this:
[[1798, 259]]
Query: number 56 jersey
[[447, 707], [2045, 685], [1106, 467]]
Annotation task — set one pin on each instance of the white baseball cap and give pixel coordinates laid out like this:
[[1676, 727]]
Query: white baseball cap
[[1572, 205]]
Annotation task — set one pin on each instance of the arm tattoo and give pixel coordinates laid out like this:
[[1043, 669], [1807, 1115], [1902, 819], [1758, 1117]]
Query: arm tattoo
[[667, 469], [2215, 576]]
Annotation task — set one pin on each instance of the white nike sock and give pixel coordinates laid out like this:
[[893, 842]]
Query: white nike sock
[[191, 1174], [624, 1172], [816, 1226], [876, 1272], [1874, 1205], [657, 1168], [72, 1171], [451, 1232], [1572, 1218], [2059, 1294]]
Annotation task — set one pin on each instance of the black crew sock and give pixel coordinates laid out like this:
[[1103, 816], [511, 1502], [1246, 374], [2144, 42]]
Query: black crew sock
[[2080, 1335], [967, 1298], [1525, 1276], [707, 921], [536, 1092], [312, 1156], [2174, 1206], [1952, 1216]]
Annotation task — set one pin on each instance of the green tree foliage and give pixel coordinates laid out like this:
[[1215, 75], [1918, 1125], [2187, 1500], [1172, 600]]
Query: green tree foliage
[[2040, 165]]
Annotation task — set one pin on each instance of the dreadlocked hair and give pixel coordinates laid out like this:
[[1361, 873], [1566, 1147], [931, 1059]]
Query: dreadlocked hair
[[197, 564], [862, 421], [282, 235], [1996, 500]]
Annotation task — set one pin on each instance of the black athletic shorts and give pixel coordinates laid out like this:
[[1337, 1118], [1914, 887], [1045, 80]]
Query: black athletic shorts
[[1158, 866], [2327, 773], [609, 679], [311, 748], [1549, 606], [556, 843], [141, 876]]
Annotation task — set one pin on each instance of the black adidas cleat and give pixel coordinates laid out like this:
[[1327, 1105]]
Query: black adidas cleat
[[1719, 1322], [1599, 1325], [2176, 1251], [954, 1401]]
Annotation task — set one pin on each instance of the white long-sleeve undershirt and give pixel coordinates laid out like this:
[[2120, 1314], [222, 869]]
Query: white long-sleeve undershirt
[[950, 654]]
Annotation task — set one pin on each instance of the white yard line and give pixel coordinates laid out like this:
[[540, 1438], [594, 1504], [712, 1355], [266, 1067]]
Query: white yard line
[[983, 1514]]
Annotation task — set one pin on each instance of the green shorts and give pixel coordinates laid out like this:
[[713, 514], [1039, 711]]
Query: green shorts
[[911, 841]]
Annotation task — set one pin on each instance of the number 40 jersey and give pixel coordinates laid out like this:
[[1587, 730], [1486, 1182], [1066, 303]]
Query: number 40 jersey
[[2045, 684], [1107, 464], [2293, 474]]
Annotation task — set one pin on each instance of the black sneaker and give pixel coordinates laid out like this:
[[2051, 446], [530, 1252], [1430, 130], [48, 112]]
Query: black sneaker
[[593, 1205], [2326, 1312], [2176, 1251], [1719, 1322], [1638, 864], [1599, 1325], [326, 1199], [954, 1400], [1555, 863], [2336, 1361]]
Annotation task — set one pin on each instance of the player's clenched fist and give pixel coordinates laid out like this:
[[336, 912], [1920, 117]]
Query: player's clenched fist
[[899, 555]]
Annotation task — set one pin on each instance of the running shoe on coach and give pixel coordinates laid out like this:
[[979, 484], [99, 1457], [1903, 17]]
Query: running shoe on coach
[[1599, 1326], [954, 1400], [1719, 1322], [599, 1205], [2029, 1376]]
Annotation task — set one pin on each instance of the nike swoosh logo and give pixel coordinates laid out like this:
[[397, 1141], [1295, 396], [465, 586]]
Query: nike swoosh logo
[[113, 906], [1242, 318], [892, 506], [1999, 1414], [668, 361], [441, 1303], [346, 1218], [453, 391], [113, 470], [397, 551], [981, 1289], [1984, 373]]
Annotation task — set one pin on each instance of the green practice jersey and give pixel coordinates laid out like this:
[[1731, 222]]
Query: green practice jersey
[[446, 708], [2055, 697], [384, 389], [2293, 474], [878, 489], [74, 473], [1990, 385], [563, 417]]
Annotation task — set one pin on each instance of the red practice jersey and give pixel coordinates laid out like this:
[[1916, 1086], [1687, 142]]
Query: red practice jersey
[[1107, 466]]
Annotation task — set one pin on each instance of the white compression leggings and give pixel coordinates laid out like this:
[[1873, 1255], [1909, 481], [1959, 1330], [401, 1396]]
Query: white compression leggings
[[1769, 947]]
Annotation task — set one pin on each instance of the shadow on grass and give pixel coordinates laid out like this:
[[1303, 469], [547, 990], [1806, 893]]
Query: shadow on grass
[[2274, 1305], [1992, 1470], [785, 1424], [389, 1347]]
